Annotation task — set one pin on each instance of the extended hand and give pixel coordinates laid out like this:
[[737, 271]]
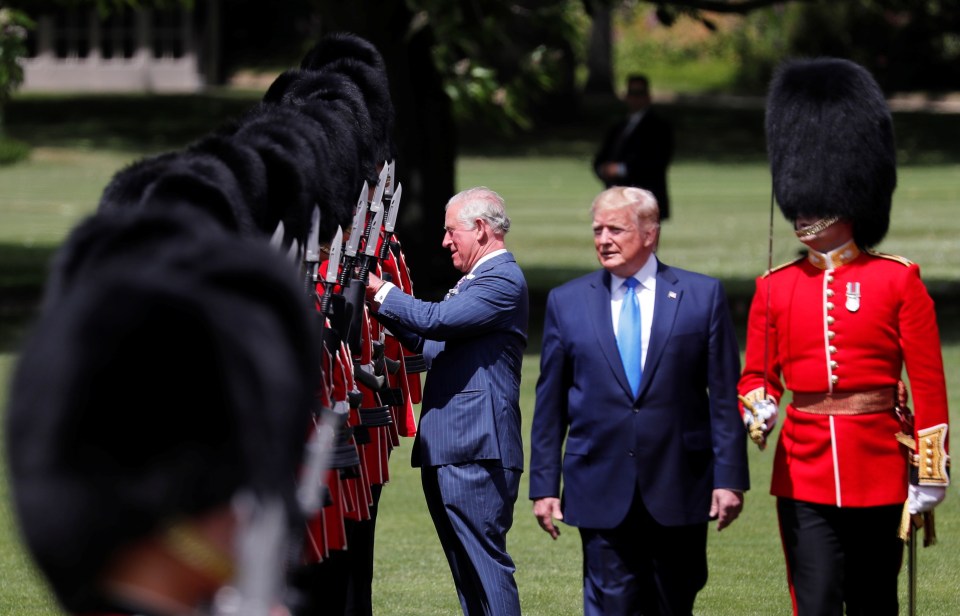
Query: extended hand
[[547, 510], [725, 506], [373, 285]]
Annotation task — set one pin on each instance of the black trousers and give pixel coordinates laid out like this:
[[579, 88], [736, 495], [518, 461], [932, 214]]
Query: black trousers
[[841, 556]]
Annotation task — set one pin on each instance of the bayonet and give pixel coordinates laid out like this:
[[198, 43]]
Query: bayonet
[[294, 252], [276, 240], [335, 249], [378, 193], [311, 254], [370, 247], [376, 206], [330, 279], [370, 250], [352, 247], [391, 179], [391, 222]]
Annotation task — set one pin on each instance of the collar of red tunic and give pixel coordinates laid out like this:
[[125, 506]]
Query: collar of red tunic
[[835, 258]]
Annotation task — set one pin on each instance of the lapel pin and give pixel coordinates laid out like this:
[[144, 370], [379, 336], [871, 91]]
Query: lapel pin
[[672, 295]]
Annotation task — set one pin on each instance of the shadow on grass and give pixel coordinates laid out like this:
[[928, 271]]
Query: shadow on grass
[[711, 129], [123, 122]]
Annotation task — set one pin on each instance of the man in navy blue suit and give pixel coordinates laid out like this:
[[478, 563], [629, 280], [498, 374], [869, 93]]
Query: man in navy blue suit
[[468, 443], [655, 447], [637, 150]]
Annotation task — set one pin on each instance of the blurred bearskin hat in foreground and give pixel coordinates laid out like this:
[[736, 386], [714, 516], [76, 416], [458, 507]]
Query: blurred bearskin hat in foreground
[[171, 370], [831, 145]]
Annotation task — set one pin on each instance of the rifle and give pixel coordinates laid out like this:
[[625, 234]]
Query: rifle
[[353, 293]]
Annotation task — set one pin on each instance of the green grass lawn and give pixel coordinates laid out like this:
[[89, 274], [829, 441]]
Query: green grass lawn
[[721, 216]]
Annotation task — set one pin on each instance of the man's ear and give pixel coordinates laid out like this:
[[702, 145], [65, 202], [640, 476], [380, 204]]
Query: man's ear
[[652, 236], [481, 227]]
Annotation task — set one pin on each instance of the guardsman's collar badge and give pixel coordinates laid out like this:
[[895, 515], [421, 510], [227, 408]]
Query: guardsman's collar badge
[[835, 258]]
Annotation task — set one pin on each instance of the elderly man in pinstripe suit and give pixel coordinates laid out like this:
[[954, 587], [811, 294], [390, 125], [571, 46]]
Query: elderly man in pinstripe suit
[[468, 444]]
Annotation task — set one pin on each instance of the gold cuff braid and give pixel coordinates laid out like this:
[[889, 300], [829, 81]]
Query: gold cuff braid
[[932, 456]]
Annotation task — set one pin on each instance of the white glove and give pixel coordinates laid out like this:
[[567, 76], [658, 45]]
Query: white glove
[[924, 498], [764, 413]]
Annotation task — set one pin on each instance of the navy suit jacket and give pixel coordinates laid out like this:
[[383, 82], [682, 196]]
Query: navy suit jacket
[[676, 441], [473, 343]]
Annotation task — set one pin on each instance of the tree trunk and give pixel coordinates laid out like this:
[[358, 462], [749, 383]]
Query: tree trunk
[[599, 52]]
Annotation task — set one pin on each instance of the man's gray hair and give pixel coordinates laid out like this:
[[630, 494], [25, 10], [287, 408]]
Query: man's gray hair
[[481, 202]]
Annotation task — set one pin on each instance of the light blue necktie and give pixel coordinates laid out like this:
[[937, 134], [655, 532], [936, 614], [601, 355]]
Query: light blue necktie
[[628, 334]]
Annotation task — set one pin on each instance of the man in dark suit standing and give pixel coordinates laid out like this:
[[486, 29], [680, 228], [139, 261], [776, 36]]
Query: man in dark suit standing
[[637, 150], [638, 373], [468, 443]]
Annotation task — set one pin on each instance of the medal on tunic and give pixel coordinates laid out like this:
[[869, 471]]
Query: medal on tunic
[[853, 296]]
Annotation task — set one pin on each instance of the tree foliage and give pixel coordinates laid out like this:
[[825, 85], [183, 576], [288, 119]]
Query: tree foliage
[[907, 44], [502, 64], [13, 34], [498, 59]]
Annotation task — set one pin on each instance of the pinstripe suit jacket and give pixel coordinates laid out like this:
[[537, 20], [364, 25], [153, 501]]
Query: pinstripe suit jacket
[[473, 343]]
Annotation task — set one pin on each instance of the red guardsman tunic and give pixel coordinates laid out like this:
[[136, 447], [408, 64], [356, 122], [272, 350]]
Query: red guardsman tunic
[[840, 324]]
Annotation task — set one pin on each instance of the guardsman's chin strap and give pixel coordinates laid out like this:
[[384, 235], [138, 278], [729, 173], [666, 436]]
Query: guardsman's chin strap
[[817, 227]]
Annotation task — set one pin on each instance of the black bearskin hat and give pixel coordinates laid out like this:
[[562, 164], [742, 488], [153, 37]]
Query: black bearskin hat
[[831, 146], [359, 59], [172, 368]]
